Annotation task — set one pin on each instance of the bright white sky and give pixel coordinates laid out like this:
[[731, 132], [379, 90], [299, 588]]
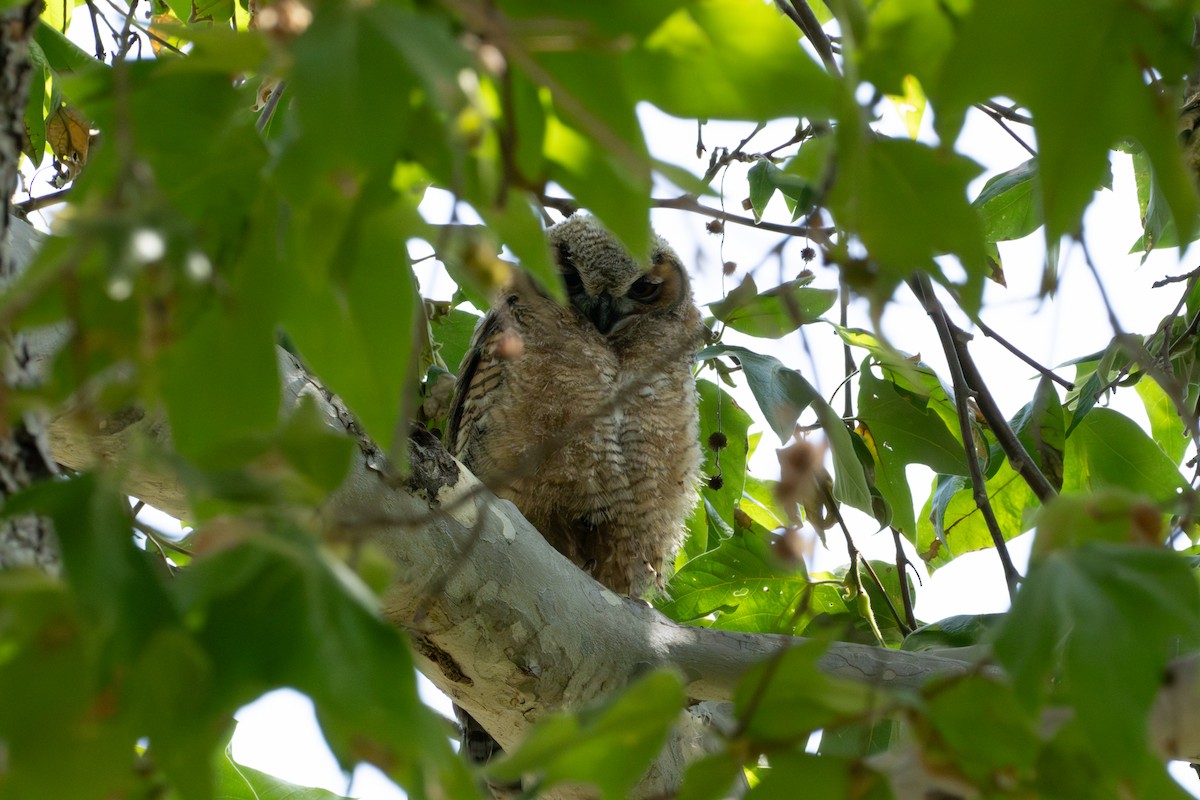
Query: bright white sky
[[279, 734]]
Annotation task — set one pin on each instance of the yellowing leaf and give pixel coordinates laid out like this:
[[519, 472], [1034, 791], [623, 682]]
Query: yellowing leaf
[[68, 133], [910, 105]]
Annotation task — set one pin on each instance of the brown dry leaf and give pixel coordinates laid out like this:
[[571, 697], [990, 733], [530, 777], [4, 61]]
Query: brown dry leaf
[[68, 133]]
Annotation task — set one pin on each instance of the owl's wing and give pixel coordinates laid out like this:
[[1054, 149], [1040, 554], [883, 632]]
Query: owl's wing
[[480, 372]]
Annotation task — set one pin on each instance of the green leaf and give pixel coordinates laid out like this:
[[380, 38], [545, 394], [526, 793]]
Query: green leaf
[[742, 586], [1007, 745], [901, 429], [1041, 429], [782, 394], [62, 54], [57, 746], [221, 384], [961, 630], [520, 227], [1014, 48], [355, 319], [618, 193], [760, 501], [951, 524], [787, 697], [452, 332], [821, 776], [857, 740], [238, 782], [35, 107], [339, 61], [1109, 449], [116, 587], [1009, 204], [1166, 426], [775, 312], [608, 746], [270, 609], [725, 59], [906, 37], [1105, 515], [710, 777], [1110, 614], [907, 203], [765, 178]]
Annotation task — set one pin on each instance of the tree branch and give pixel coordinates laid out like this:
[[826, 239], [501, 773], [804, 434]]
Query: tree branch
[[515, 631], [923, 289]]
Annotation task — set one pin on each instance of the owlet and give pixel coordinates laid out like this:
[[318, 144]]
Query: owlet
[[584, 415]]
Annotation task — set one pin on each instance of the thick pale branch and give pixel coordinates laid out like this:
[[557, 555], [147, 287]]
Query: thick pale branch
[[512, 630]]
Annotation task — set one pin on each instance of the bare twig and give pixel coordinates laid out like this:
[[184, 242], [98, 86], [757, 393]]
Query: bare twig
[[1010, 113], [94, 12], [1187, 276], [902, 567], [1018, 457], [42, 201], [1016, 351], [799, 12], [1136, 350], [729, 155], [687, 202], [998, 118], [857, 560], [847, 357], [923, 289]]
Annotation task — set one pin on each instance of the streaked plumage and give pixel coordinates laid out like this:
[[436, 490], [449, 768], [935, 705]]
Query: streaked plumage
[[585, 415]]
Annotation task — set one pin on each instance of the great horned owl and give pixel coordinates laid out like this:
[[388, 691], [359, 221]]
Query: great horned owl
[[585, 415]]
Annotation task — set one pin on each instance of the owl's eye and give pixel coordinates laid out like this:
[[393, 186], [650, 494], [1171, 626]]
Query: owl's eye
[[572, 280], [645, 290]]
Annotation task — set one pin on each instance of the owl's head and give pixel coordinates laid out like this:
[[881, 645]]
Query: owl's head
[[606, 285]]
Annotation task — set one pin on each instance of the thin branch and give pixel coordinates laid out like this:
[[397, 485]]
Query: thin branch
[[801, 14], [687, 202], [923, 289], [1187, 276], [730, 155], [1018, 457], [94, 12], [1010, 113], [856, 560], [1136, 350], [1016, 351], [38, 203], [998, 118], [902, 567], [847, 356]]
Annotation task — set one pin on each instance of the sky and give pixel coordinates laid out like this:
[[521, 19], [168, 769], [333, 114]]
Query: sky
[[278, 733]]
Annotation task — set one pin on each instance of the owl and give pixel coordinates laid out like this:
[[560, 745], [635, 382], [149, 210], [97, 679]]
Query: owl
[[584, 414]]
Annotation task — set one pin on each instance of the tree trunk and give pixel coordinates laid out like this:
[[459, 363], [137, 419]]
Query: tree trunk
[[24, 458]]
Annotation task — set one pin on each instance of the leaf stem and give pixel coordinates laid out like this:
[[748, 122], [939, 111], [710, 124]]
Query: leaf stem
[[856, 560]]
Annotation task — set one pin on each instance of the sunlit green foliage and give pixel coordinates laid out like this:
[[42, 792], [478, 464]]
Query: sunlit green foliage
[[265, 186]]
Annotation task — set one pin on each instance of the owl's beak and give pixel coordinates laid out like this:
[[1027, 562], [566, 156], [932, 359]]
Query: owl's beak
[[601, 310]]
